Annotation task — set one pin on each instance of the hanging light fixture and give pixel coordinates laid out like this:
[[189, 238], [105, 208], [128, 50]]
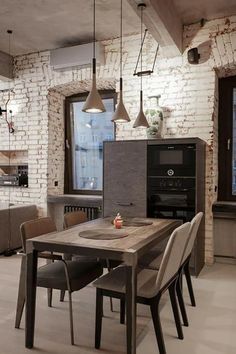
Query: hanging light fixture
[[93, 103], [121, 114], [141, 120]]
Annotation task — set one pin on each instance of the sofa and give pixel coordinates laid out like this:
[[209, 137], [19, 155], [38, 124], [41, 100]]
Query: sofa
[[10, 221]]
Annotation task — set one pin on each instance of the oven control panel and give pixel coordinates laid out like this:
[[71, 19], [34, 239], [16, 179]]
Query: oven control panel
[[171, 183]]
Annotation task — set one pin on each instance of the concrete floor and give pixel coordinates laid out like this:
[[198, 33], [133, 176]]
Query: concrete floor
[[212, 324]]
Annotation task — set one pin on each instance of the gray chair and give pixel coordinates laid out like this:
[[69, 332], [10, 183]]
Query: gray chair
[[151, 284], [75, 218], [59, 274]]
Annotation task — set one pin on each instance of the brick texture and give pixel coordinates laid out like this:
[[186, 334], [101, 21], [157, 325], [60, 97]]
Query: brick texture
[[189, 97]]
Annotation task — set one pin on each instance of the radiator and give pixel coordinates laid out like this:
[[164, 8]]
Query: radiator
[[92, 212]]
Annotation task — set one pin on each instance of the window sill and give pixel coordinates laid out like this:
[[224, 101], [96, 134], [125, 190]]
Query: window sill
[[83, 200], [224, 209]]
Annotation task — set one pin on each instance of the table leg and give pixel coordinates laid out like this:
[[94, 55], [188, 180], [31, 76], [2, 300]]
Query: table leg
[[131, 291], [31, 279]]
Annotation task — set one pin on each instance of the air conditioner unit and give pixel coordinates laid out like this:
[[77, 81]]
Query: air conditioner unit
[[79, 55]]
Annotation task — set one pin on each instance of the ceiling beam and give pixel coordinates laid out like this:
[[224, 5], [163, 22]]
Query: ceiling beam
[[162, 21], [6, 66]]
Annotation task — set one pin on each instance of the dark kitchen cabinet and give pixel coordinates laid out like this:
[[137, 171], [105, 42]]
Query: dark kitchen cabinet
[[124, 182], [158, 178]]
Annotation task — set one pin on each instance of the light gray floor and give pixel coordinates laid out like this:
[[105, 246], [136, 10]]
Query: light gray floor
[[212, 324]]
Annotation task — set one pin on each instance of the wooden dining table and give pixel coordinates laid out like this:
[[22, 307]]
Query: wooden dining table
[[139, 240]]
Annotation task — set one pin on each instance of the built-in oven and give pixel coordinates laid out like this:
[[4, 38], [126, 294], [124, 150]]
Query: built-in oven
[[171, 160], [171, 180], [171, 197]]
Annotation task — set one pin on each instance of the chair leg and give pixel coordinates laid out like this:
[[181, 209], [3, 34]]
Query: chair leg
[[62, 295], [181, 302], [189, 284], [157, 325], [122, 311], [172, 292], [21, 293], [99, 312], [71, 319], [109, 270], [49, 291]]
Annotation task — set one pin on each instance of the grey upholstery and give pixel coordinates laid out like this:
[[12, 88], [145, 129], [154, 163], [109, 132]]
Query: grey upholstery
[[150, 282], [195, 223], [152, 259], [80, 274], [10, 232], [59, 274]]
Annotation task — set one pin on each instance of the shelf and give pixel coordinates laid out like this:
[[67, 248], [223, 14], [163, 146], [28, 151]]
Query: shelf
[[13, 158]]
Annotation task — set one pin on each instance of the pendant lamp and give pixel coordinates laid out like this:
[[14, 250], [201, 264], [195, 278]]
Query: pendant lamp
[[121, 114], [93, 103], [141, 120]]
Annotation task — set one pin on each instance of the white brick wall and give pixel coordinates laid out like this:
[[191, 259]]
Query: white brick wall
[[189, 97]]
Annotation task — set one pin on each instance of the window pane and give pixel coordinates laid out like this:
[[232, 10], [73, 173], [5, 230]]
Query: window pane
[[234, 145], [89, 132]]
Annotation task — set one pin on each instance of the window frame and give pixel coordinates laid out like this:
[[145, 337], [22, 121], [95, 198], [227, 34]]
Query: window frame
[[225, 124], [68, 166]]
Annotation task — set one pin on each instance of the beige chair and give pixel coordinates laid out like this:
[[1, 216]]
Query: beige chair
[[59, 274], [151, 284], [152, 260], [184, 269]]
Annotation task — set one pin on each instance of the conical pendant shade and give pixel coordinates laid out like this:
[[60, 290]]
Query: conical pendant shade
[[121, 115], [93, 103], [141, 120]]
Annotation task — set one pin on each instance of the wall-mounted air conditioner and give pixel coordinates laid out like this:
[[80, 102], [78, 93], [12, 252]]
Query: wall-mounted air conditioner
[[79, 55]]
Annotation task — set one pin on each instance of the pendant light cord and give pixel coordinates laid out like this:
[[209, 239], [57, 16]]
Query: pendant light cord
[[94, 28], [141, 44], [121, 37]]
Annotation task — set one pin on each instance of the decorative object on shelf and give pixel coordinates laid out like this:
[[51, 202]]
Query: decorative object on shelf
[[154, 116], [121, 114], [141, 120], [93, 103]]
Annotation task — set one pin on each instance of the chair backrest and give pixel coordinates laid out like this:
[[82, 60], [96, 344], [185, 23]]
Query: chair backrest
[[195, 223], [173, 255], [34, 228], [74, 218]]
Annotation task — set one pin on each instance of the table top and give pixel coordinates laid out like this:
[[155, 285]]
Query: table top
[[139, 240]]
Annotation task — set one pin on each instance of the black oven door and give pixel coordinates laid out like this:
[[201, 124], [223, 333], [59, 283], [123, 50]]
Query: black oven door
[[171, 160], [171, 205]]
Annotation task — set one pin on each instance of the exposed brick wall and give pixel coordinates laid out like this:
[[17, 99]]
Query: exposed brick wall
[[189, 97]]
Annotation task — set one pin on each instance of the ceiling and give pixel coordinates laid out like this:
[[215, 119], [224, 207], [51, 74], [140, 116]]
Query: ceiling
[[47, 24], [192, 11]]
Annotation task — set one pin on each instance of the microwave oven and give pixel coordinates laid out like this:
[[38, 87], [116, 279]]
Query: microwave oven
[[171, 160]]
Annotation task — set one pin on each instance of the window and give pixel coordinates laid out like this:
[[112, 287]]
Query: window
[[85, 134], [227, 138]]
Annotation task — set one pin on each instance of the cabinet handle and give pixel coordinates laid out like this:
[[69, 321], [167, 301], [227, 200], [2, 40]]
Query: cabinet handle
[[124, 204]]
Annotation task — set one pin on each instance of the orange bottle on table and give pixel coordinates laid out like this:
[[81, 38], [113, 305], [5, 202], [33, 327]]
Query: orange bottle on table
[[118, 222]]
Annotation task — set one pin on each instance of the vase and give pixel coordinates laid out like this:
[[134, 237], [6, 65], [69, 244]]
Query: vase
[[154, 115]]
